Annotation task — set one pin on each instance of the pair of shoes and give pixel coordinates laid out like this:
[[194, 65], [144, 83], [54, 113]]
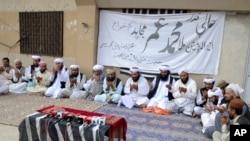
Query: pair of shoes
[[148, 109], [161, 111]]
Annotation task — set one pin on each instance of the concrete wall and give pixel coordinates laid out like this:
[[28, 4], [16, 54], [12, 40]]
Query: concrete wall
[[80, 44]]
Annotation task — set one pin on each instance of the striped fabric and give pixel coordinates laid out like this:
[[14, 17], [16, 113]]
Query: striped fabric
[[40, 127]]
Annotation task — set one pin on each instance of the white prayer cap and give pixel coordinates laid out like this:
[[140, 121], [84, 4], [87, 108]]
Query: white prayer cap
[[237, 90], [98, 67], [215, 92], [58, 60], [42, 63], [208, 80], [17, 60], [164, 68], [134, 69], [36, 57], [182, 70], [74, 66], [110, 70]]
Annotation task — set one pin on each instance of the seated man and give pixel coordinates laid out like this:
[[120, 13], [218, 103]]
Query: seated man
[[94, 85], [5, 71], [136, 89], [214, 97], [33, 68], [42, 79], [201, 98], [232, 91], [74, 85], [161, 89], [58, 79], [19, 85], [222, 85], [185, 90], [235, 109], [112, 87]]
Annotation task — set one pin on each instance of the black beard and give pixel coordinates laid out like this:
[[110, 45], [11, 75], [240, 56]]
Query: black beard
[[35, 66], [135, 79], [184, 81], [73, 75], [164, 78], [110, 79], [42, 71], [215, 102]]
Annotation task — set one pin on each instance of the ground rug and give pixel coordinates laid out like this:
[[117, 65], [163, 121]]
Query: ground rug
[[151, 127]]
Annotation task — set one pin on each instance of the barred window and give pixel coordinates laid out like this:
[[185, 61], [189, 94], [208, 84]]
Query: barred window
[[152, 11], [41, 33]]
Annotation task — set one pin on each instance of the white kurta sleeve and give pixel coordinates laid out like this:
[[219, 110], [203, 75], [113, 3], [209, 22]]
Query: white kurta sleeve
[[143, 87], [81, 84], [191, 90], [127, 86], [64, 75], [176, 92], [104, 86], [199, 98]]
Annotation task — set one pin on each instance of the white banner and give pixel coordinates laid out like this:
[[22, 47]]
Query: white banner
[[191, 41]]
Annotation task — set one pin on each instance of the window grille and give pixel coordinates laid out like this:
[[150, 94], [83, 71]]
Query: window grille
[[41, 33]]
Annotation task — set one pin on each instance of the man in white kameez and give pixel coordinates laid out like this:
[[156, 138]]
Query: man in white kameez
[[31, 70], [74, 85], [202, 98], [58, 79], [112, 88], [185, 91], [19, 85], [6, 71], [161, 89], [42, 79], [136, 89], [208, 118], [4, 89]]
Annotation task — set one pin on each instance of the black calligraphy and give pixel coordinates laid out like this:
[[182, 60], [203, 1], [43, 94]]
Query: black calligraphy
[[155, 35]]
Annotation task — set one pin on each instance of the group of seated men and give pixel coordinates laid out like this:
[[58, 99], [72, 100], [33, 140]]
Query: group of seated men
[[215, 105]]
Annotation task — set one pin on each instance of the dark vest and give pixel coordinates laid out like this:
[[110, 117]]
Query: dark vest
[[153, 91], [202, 104]]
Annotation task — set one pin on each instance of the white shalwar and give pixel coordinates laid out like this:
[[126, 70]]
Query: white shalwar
[[55, 91], [110, 95], [19, 87], [133, 97], [160, 98], [76, 90], [183, 102], [4, 89]]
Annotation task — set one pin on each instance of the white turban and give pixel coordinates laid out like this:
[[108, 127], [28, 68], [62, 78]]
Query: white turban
[[35, 57], [164, 68], [237, 90], [17, 60], [58, 60], [209, 80], [182, 70], [74, 66], [134, 69], [215, 92], [98, 67]]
